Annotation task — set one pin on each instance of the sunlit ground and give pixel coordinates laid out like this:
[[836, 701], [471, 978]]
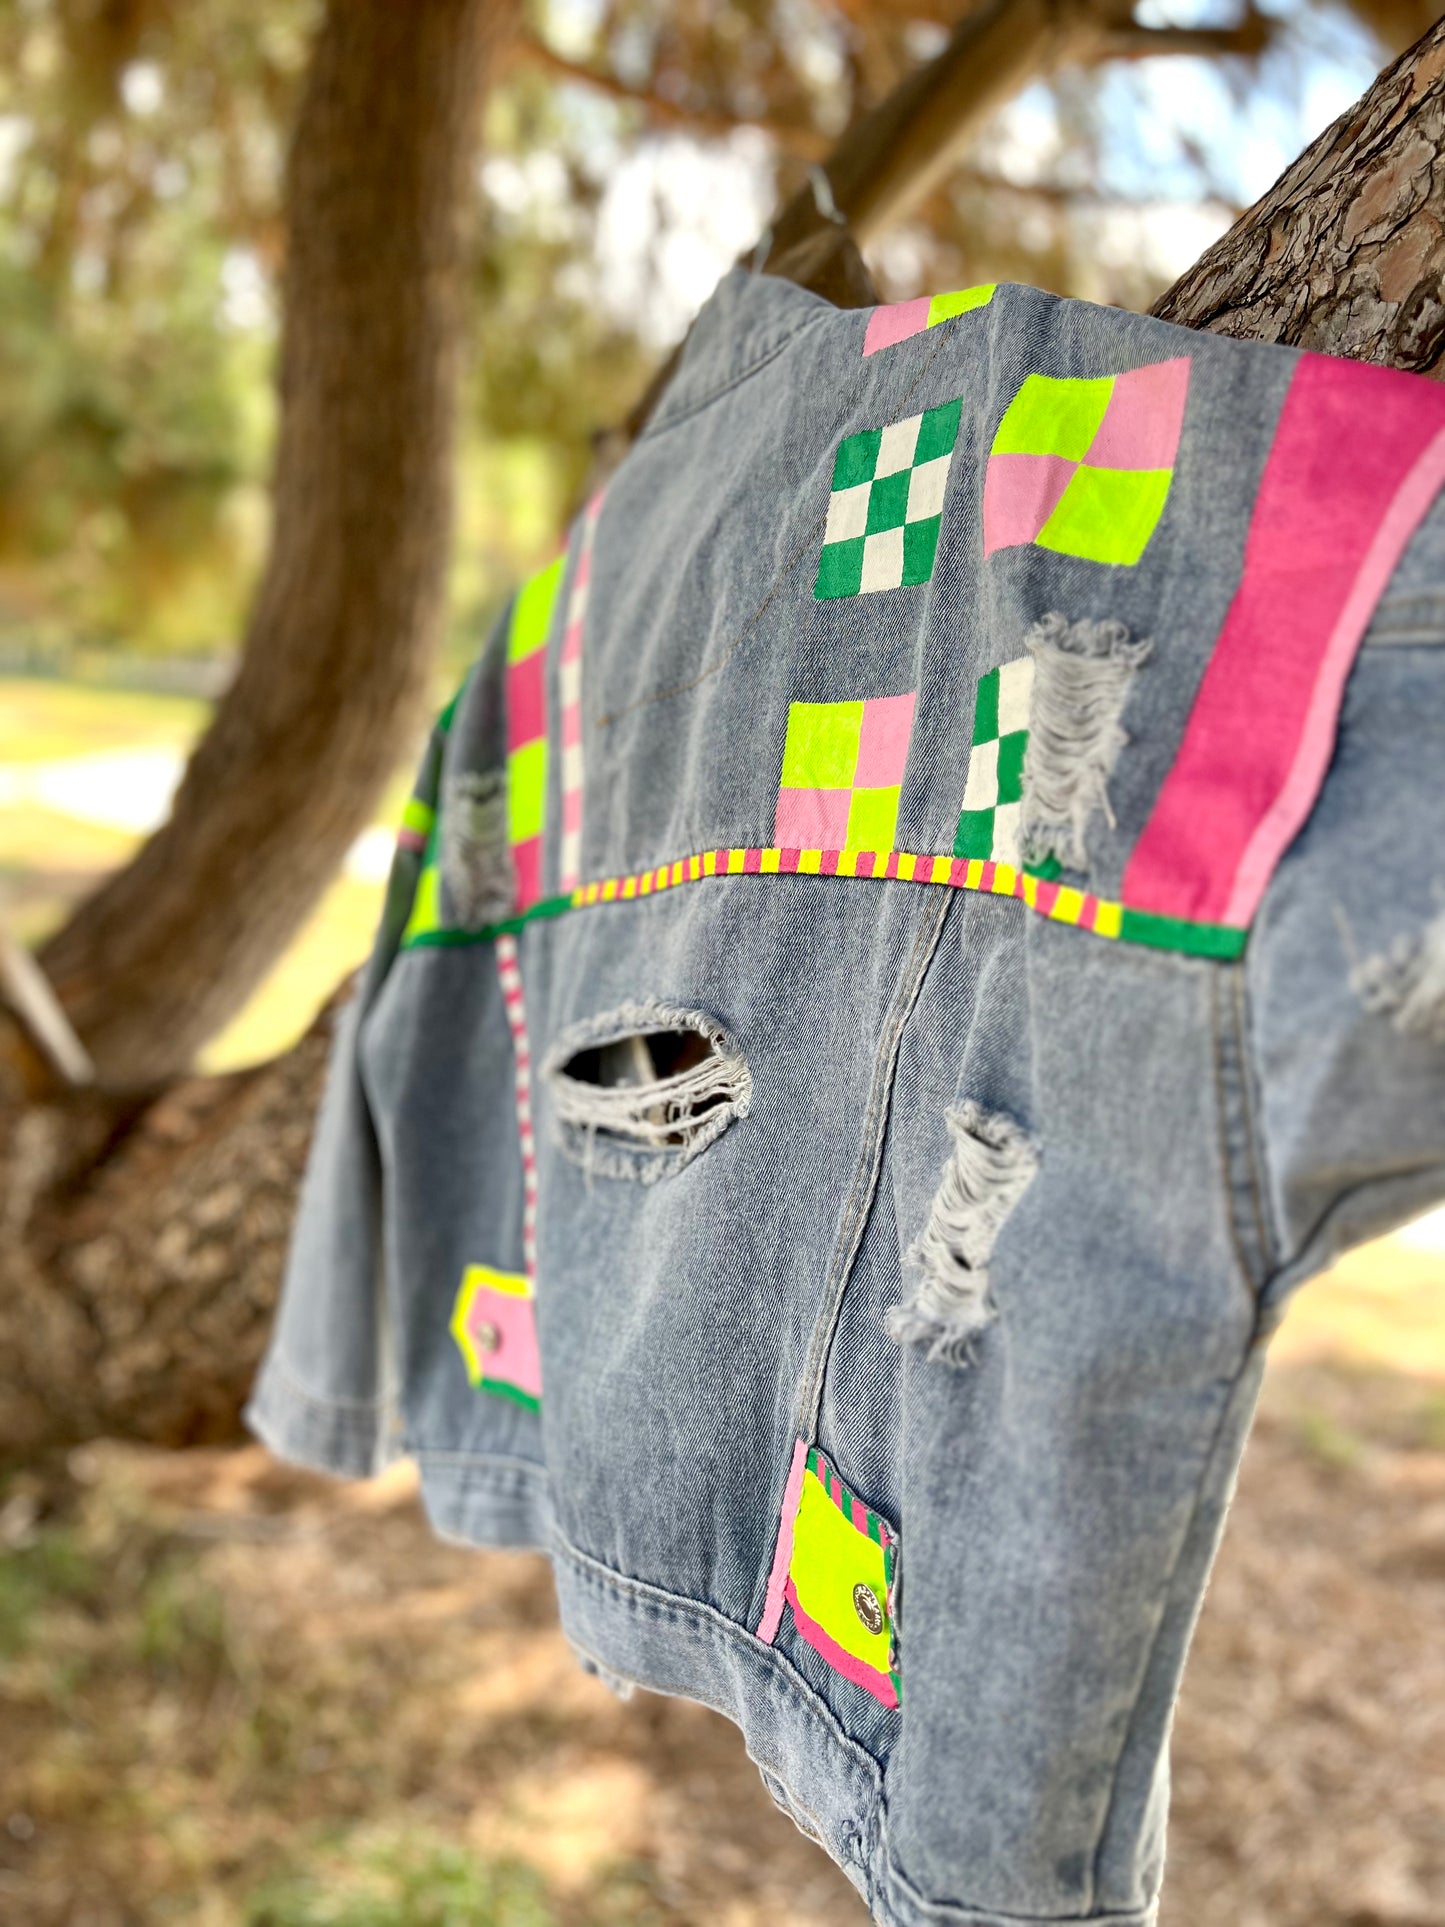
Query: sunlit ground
[[236, 1696], [85, 772]]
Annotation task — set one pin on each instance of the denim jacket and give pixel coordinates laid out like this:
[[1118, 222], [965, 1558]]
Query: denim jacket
[[919, 930]]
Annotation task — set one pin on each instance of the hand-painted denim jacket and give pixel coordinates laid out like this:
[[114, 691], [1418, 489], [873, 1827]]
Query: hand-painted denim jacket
[[918, 931]]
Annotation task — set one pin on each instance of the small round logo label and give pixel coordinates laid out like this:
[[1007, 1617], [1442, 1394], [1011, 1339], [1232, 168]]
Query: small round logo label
[[865, 1604]]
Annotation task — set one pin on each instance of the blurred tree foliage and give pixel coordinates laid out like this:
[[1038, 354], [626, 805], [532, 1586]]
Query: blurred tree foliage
[[141, 146]]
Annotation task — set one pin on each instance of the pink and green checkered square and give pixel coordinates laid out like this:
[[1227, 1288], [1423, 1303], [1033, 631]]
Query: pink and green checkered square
[[843, 773], [886, 508], [1084, 466]]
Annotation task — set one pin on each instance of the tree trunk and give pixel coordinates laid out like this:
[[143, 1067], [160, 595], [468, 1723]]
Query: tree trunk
[[142, 1244], [341, 645], [1345, 253]]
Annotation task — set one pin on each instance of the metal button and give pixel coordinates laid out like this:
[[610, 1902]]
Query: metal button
[[487, 1338], [865, 1604]]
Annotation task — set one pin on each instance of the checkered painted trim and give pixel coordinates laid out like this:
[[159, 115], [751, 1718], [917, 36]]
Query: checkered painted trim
[[1059, 902], [510, 973], [988, 825], [901, 320], [527, 726], [1084, 466], [842, 775], [886, 508], [569, 678]]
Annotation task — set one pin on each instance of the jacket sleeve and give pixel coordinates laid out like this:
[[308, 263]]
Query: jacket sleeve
[[1344, 976], [323, 1397]]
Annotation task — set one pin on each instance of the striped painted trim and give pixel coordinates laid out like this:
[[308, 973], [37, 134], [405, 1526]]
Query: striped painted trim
[[783, 1552], [569, 680], [509, 971], [1057, 901]]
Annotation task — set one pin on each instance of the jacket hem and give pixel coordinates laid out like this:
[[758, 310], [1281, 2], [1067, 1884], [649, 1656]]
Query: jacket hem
[[473, 1500], [828, 1785], [350, 1438]]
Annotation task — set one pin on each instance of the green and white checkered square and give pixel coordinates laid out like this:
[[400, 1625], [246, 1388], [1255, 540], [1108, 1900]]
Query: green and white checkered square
[[886, 508], [988, 826]]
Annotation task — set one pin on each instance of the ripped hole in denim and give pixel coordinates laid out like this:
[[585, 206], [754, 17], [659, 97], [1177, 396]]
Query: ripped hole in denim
[[1406, 983], [992, 1166], [639, 1092], [1082, 675]]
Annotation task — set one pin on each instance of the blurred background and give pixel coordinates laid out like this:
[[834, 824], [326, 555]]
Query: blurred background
[[234, 1696]]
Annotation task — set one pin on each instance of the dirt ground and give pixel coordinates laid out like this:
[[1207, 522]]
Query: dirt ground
[[234, 1696]]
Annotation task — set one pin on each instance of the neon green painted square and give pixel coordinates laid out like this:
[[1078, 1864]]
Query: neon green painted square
[[985, 708], [974, 836], [526, 790], [920, 549], [418, 816], [1011, 765], [943, 307], [532, 611], [840, 570], [831, 1557], [857, 458], [888, 502], [872, 819], [1107, 514], [821, 751], [426, 910], [938, 431], [1053, 415]]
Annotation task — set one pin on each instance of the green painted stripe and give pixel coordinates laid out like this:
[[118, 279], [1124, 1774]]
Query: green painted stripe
[[444, 720], [513, 1392], [1176, 933], [452, 939], [418, 816]]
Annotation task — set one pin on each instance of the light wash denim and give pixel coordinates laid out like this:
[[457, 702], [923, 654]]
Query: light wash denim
[[1198, 1132]]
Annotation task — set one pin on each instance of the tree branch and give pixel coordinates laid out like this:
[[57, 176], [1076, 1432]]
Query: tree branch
[[1346, 252], [805, 142]]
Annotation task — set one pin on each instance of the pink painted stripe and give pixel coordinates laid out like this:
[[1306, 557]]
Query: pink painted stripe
[[1302, 785], [1357, 458], [411, 839], [868, 1677], [782, 1555]]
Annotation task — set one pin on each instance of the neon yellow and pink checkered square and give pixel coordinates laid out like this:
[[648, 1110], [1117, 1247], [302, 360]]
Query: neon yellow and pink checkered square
[[843, 773], [1084, 466]]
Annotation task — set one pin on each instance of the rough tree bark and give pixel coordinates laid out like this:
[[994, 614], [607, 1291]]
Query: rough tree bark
[[143, 1242], [1346, 252], [352, 595]]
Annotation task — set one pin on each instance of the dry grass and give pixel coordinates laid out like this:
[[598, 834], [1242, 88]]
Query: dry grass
[[237, 1696]]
